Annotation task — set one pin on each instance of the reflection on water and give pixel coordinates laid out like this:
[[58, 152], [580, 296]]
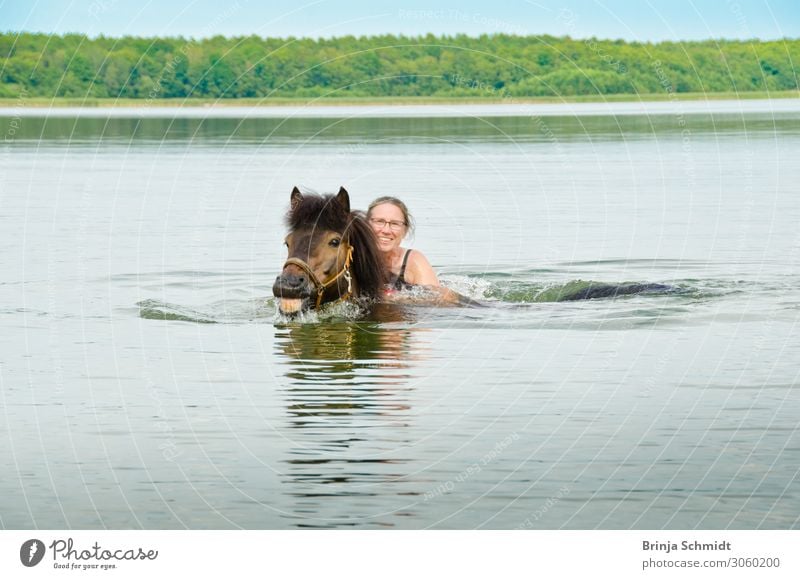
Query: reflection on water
[[349, 384], [356, 129]]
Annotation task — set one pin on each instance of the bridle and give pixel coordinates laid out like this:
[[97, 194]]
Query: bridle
[[322, 287]]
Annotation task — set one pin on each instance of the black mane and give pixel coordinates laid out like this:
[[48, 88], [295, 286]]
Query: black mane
[[326, 213]]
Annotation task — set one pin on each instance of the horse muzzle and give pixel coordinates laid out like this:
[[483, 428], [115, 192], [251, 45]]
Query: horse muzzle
[[293, 293]]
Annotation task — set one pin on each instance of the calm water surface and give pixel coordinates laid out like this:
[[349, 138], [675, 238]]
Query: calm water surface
[[146, 381]]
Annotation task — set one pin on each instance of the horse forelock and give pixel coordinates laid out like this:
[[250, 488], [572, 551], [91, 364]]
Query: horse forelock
[[318, 211]]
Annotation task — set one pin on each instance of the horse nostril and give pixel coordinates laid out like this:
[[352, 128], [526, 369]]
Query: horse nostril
[[301, 280]]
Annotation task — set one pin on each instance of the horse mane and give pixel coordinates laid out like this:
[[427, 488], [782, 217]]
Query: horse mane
[[326, 213], [368, 266]]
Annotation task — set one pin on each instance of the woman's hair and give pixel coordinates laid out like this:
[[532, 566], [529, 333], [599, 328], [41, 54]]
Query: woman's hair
[[397, 203]]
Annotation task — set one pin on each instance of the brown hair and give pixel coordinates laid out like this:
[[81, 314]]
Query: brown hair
[[409, 220]]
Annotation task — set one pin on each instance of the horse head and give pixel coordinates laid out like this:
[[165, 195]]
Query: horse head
[[332, 254]]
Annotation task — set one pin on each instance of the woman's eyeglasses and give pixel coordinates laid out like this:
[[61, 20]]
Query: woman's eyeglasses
[[393, 225]]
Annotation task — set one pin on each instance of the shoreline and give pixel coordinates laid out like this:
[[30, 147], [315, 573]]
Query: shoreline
[[395, 110], [203, 103]]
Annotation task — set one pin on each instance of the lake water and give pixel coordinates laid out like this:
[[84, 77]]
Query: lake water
[[147, 382]]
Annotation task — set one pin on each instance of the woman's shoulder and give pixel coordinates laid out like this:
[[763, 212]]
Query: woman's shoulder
[[419, 270], [415, 258], [414, 255]]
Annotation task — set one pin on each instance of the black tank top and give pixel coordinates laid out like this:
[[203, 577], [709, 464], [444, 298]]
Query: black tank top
[[400, 281]]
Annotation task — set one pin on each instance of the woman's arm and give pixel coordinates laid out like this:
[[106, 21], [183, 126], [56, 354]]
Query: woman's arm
[[420, 272]]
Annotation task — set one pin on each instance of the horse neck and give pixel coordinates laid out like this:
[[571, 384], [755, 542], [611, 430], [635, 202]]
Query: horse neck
[[338, 290]]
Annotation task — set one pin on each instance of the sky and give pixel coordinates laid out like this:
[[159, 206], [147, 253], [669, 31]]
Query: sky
[[632, 20]]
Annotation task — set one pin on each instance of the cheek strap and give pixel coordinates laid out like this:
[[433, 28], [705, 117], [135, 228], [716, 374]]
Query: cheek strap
[[320, 286]]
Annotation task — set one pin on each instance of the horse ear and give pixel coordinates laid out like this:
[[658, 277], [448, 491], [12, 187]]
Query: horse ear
[[296, 198], [344, 199]]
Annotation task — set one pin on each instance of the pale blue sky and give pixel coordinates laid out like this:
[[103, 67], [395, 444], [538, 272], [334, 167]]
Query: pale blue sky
[[641, 20]]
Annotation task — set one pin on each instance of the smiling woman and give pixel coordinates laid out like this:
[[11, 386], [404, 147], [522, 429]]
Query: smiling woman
[[391, 221]]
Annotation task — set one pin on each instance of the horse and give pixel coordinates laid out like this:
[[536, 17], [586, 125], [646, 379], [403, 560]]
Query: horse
[[332, 255]]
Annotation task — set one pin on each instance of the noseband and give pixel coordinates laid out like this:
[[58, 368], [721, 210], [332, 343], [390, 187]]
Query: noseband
[[322, 287]]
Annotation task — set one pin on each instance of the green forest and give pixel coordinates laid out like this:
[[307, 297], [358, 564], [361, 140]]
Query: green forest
[[497, 66]]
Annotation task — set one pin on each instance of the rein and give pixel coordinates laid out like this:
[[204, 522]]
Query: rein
[[322, 287]]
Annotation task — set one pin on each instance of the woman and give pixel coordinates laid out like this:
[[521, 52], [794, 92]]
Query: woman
[[391, 222]]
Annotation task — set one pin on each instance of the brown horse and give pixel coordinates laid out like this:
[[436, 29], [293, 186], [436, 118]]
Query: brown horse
[[333, 254]]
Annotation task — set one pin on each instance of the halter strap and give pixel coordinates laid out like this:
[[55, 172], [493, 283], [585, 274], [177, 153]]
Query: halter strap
[[322, 287]]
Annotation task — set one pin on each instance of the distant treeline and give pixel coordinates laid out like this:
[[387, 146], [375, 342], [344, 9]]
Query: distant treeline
[[40, 65]]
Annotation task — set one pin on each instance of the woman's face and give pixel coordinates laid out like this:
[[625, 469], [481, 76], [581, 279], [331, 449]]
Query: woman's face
[[388, 224]]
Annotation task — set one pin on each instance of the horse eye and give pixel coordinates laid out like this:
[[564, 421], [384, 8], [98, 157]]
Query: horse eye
[[335, 242]]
